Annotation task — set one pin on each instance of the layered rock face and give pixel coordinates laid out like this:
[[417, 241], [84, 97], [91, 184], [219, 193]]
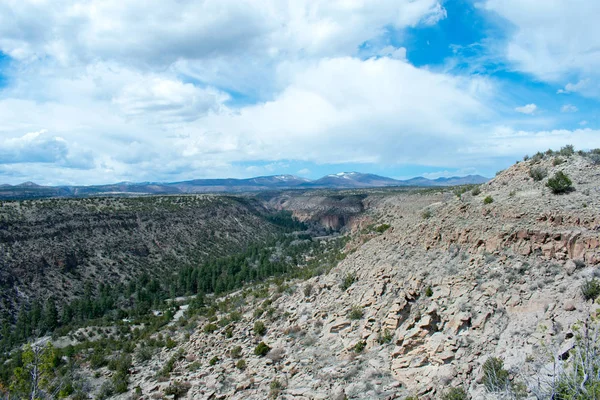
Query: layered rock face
[[331, 211], [418, 308]]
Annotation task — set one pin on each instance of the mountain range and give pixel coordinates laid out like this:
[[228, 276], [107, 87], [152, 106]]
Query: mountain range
[[342, 180]]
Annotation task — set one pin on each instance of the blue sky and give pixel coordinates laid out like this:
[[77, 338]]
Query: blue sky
[[104, 90]]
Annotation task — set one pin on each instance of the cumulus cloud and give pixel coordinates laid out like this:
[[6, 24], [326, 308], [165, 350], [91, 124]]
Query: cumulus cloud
[[554, 40], [154, 31], [167, 100], [527, 109], [39, 147]]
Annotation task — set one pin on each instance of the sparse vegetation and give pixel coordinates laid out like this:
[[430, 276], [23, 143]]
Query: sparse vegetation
[[538, 173], [241, 365], [348, 281], [488, 200], [455, 394], [236, 352], [426, 214], [590, 289], [495, 377], [360, 346], [382, 228], [429, 291], [356, 313], [259, 328], [560, 183], [262, 349], [308, 288], [476, 191]]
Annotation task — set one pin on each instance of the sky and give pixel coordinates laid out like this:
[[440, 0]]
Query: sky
[[101, 91]]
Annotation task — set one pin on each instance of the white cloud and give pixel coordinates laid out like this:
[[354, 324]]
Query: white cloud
[[527, 109], [39, 147], [154, 90], [165, 100], [154, 31], [554, 40], [568, 108]]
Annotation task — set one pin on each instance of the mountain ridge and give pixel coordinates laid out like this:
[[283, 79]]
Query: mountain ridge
[[342, 180]]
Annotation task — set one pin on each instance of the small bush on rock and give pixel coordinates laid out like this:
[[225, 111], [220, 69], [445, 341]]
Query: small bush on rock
[[259, 328], [349, 279], [262, 349], [382, 228], [455, 394], [355, 313], [236, 352], [241, 365], [495, 377], [560, 183], [360, 346], [538, 173], [591, 289], [476, 191], [488, 200]]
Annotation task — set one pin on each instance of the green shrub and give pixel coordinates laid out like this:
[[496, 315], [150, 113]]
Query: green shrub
[[455, 394], [579, 377], [426, 214], [262, 349], [236, 352], [567, 151], [476, 191], [557, 161], [229, 332], [259, 328], [177, 389], [488, 200], [538, 173], [213, 361], [385, 338], [560, 183], [348, 280], [429, 291], [144, 353], [241, 365], [276, 387], [495, 377], [209, 328], [360, 346], [355, 313], [382, 228], [591, 289], [308, 290]]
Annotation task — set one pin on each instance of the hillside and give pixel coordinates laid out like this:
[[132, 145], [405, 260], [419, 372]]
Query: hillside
[[52, 248], [423, 291], [418, 308]]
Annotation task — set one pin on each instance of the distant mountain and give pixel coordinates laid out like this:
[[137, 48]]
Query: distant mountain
[[342, 180], [352, 180]]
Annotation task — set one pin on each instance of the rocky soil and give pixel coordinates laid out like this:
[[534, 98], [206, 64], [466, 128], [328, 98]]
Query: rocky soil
[[414, 309]]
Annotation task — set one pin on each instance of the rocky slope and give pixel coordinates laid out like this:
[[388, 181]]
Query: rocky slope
[[414, 309]]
